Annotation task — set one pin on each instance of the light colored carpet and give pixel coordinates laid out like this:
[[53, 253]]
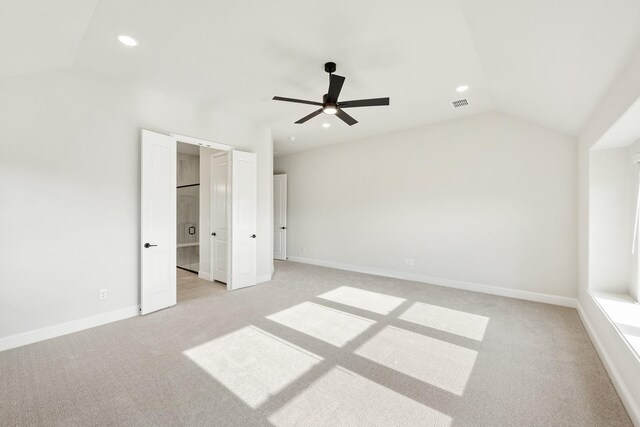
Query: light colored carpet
[[316, 347]]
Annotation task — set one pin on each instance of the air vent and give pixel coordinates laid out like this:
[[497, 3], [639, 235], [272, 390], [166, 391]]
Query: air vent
[[460, 103]]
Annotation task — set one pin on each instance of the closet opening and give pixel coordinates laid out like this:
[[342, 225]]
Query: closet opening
[[190, 220], [198, 219]]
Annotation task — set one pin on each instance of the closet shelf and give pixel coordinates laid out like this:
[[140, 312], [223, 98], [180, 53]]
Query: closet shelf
[[187, 245]]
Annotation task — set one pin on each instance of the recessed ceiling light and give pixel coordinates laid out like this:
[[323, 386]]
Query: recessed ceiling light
[[326, 125], [462, 88], [292, 138], [127, 40]]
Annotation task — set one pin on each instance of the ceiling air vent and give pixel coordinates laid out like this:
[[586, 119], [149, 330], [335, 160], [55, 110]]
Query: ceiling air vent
[[460, 103]]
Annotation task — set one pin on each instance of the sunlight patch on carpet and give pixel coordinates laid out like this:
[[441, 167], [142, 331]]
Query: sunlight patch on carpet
[[327, 324], [448, 320], [439, 363], [344, 398], [365, 300], [252, 363]]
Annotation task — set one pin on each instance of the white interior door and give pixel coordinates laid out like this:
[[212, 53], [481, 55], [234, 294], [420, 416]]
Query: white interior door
[[280, 216], [219, 236], [243, 219], [158, 222]]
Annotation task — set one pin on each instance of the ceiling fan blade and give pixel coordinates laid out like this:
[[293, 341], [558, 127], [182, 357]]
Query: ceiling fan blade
[[299, 101], [335, 86], [373, 102], [310, 116], [346, 118]]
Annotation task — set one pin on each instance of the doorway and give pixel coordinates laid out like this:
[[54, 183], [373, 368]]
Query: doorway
[[191, 219], [188, 208], [280, 216], [162, 225]]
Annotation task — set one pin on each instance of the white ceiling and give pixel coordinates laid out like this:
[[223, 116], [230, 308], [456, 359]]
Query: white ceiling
[[41, 35], [547, 61]]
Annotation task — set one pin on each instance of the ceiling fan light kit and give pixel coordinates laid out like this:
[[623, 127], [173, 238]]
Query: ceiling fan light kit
[[330, 104], [330, 109]]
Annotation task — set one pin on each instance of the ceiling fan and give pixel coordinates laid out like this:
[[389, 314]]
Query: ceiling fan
[[330, 104]]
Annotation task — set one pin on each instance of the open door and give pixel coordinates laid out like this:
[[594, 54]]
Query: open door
[[219, 238], [158, 222], [244, 219], [280, 216]]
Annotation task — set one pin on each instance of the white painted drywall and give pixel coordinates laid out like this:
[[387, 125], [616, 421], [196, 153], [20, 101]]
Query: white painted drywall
[[610, 226], [623, 365], [70, 186], [634, 263], [489, 199]]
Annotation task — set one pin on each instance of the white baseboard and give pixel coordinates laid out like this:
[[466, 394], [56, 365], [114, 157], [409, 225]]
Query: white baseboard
[[205, 275], [259, 279], [29, 337], [616, 378], [457, 284]]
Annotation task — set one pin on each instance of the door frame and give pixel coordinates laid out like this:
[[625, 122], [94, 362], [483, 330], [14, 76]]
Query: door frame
[[201, 142], [227, 149], [207, 144]]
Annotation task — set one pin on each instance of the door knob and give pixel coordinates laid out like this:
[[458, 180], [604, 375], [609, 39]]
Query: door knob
[[253, 236], [283, 228], [148, 245], [213, 234]]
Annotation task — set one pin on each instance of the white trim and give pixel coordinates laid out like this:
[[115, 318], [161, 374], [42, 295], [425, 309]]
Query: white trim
[[201, 142], [29, 337], [457, 284], [632, 351], [616, 379], [263, 278], [205, 275]]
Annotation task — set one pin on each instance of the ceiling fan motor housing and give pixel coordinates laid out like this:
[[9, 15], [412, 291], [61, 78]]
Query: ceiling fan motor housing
[[330, 67]]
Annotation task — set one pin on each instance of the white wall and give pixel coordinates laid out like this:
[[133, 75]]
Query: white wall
[[634, 183], [489, 200], [610, 224], [70, 180], [622, 364]]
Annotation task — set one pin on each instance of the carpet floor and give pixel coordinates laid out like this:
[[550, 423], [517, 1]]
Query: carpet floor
[[319, 347]]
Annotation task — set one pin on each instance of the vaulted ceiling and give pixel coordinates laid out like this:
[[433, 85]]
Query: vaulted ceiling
[[546, 61]]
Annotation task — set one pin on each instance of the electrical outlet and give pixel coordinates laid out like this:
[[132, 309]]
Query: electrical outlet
[[302, 249], [408, 261], [103, 294]]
